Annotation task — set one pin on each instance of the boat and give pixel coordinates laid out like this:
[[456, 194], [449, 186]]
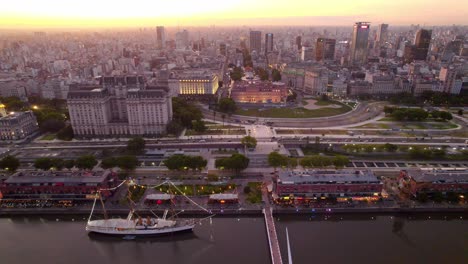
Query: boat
[[138, 226]]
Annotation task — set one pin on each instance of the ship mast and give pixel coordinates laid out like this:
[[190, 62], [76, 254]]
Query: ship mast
[[103, 207]]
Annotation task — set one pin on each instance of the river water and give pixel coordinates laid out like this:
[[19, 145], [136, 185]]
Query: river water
[[320, 239]]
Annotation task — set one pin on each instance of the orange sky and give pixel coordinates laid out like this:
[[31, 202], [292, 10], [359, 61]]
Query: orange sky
[[138, 13]]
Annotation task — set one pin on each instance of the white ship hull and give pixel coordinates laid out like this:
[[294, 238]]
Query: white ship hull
[[128, 228], [142, 232]]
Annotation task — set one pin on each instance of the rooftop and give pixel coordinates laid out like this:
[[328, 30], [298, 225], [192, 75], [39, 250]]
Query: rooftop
[[327, 176], [446, 176], [57, 177]]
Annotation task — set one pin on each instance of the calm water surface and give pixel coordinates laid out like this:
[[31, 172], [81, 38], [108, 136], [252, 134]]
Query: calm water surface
[[353, 239]]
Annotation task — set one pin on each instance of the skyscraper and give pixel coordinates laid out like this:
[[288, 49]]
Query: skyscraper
[[325, 49], [182, 39], [160, 37], [268, 42], [421, 43], [359, 42], [255, 41], [299, 42], [382, 34]]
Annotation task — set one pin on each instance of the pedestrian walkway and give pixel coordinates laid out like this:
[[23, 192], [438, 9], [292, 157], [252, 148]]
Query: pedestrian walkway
[[271, 230]]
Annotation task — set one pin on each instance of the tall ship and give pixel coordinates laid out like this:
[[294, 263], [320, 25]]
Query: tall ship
[[138, 226]]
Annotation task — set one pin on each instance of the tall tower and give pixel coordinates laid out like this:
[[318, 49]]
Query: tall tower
[[325, 49], [421, 43], [255, 41], [359, 42], [382, 34], [160, 37], [268, 42], [299, 42]]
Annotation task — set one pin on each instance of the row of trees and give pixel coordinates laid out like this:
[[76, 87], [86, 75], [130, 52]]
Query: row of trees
[[83, 162], [182, 162], [317, 161], [124, 162], [9, 163], [277, 160], [237, 162], [419, 114], [426, 153]]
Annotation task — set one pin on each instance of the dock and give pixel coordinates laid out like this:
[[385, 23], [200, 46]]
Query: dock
[[273, 242]]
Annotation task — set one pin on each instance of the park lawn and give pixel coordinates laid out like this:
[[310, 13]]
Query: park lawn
[[447, 125], [48, 137], [294, 112], [322, 102], [255, 194]]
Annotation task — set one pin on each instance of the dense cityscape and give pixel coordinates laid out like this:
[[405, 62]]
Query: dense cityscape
[[225, 124]]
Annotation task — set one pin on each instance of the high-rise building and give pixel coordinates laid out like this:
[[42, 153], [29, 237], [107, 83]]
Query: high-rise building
[[325, 49], [315, 81], [268, 42], [382, 34], [359, 42], [160, 37], [307, 53], [422, 42], [182, 39], [222, 49], [447, 76], [255, 41], [299, 42], [120, 105]]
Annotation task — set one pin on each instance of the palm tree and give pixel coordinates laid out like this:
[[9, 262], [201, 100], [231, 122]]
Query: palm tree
[[223, 116], [214, 115]]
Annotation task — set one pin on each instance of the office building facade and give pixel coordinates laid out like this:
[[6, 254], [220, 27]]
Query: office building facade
[[325, 49], [359, 43], [255, 41]]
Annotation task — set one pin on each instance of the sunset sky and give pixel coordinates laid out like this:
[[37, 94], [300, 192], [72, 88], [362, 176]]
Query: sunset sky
[[137, 13]]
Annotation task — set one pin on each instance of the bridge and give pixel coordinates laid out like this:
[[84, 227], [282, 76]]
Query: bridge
[[273, 242]]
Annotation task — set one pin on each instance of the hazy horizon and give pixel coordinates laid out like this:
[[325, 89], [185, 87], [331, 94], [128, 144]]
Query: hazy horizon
[[88, 14]]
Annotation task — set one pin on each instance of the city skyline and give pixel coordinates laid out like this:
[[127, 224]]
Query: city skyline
[[24, 14]]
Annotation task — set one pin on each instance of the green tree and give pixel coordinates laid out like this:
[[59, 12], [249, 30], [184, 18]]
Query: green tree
[[460, 112], [276, 160], [444, 115], [65, 133], [9, 163], [127, 162], [175, 162], [249, 142], [43, 163], [276, 75], [238, 162], [340, 161], [174, 127], [236, 74], [86, 162], [390, 147], [227, 105], [69, 164], [292, 163], [262, 73], [199, 125], [136, 145], [108, 163]]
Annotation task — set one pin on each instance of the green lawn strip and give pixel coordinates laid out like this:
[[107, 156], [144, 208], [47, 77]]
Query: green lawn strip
[[294, 113], [48, 137]]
